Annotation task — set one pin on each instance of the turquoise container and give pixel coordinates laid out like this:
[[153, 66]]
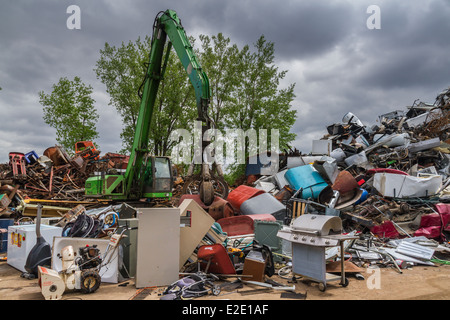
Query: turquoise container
[[307, 179]]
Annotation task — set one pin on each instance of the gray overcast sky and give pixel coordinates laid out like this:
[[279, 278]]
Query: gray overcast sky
[[337, 63]]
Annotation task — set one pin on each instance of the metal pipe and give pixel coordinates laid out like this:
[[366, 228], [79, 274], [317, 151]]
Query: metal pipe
[[397, 226], [342, 264], [38, 220]]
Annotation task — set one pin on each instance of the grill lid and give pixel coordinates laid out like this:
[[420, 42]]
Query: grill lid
[[318, 225]]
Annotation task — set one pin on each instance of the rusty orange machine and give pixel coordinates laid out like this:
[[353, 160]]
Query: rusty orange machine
[[87, 150]]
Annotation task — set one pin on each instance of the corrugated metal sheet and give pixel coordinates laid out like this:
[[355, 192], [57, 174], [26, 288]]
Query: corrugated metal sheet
[[415, 250]]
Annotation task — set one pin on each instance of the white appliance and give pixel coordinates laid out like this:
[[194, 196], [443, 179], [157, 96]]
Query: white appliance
[[108, 273], [158, 247], [22, 238]]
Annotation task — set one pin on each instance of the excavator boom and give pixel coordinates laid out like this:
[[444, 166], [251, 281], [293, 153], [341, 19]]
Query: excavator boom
[[143, 171]]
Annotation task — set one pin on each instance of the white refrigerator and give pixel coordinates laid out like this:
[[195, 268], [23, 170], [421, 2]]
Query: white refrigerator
[[22, 238]]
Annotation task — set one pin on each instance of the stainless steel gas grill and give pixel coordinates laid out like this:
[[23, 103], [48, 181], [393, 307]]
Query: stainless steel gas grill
[[310, 235]]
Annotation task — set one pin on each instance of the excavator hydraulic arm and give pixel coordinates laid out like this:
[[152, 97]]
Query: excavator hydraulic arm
[[168, 25]]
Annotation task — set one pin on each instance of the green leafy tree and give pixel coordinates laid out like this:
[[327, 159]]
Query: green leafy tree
[[70, 109], [259, 102], [122, 70], [175, 106], [246, 91], [221, 61]]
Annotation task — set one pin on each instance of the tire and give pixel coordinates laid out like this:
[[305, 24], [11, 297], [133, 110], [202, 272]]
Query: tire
[[322, 286], [216, 290], [345, 283], [90, 281]]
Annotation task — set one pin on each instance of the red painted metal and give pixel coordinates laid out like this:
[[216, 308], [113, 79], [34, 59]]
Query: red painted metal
[[242, 224], [17, 162], [215, 259], [241, 194]]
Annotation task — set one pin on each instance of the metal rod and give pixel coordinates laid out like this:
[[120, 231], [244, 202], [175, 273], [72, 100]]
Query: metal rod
[[342, 263], [397, 226]]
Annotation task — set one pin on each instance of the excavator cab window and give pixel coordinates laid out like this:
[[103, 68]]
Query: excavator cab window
[[161, 179], [163, 175]]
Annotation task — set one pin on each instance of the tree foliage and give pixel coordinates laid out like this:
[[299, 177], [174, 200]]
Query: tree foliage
[[258, 101], [70, 109], [220, 60], [175, 106], [122, 70], [244, 83], [245, 88]]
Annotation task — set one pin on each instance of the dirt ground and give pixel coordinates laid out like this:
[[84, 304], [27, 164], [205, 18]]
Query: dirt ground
[[416, 283]]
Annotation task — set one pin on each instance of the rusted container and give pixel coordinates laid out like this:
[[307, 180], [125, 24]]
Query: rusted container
[[218, 209], [345, 182]]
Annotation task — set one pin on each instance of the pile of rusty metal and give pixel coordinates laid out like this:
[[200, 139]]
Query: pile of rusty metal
[[391, 179], [54, 178]]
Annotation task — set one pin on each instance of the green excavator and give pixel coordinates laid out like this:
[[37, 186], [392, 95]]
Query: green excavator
[[151, 177]]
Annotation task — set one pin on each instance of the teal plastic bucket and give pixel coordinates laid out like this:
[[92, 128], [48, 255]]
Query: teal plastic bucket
[[307, 179]]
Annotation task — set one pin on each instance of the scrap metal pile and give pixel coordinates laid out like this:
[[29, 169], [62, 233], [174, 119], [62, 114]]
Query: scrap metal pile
[[389, 184], [386, 182], [55, 178]]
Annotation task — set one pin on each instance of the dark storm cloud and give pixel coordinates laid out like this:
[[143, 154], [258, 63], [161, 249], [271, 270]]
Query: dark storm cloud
[[336, 62], [298, 28]]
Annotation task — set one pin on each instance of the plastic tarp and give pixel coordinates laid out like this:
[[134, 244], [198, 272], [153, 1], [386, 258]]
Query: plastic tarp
[[402, 186]]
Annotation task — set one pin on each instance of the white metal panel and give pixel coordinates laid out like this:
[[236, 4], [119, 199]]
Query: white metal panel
[[158, 250], [191, 236], [402, 186]]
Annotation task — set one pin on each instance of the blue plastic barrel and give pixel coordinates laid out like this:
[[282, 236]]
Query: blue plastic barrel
[[307, 179]]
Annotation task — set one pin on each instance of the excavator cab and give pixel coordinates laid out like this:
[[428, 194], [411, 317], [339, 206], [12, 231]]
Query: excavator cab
[[158, 179], [157, 182]]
